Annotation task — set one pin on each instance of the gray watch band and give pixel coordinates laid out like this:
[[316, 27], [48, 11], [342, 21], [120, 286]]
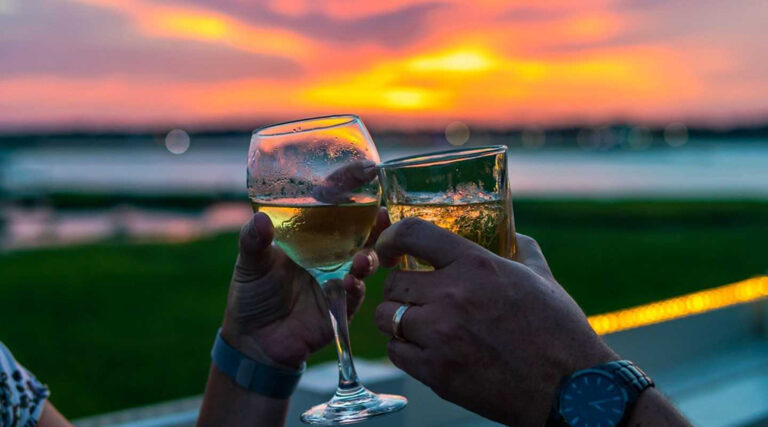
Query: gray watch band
[[627, 375], [253, 375]]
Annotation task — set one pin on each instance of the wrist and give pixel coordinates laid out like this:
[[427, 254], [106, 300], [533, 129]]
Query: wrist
[[603, 394], [596, 353]]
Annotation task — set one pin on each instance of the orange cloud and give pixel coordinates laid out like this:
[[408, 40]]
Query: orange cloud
[[489, 61], [204, 25]]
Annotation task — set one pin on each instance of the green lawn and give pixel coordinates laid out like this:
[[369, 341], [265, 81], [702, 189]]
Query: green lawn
[[116, 325]]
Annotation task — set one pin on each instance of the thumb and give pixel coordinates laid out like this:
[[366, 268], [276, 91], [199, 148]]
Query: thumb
[[256, 255]]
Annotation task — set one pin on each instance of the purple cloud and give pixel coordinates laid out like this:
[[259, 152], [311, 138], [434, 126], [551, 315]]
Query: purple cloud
[[393, 29], [65, 39]]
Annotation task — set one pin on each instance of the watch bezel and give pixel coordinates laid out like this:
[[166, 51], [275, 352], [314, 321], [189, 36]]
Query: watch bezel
[[592, 371]]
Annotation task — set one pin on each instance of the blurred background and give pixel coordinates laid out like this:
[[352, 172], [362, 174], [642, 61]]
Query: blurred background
[[638, 133]]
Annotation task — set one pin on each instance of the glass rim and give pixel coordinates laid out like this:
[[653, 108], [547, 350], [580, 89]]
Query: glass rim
[[441, 157], [344, 119]]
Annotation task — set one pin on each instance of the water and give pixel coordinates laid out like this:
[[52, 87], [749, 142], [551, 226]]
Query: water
[[722, 170], [717, 171]]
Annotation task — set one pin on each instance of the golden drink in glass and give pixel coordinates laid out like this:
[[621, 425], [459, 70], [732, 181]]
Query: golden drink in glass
[[320, 236], [463, 191]]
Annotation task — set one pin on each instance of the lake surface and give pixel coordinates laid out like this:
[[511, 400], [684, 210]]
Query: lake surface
[[719, 170]]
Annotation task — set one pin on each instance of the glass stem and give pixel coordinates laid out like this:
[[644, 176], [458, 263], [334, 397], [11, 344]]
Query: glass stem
[[337, 302]]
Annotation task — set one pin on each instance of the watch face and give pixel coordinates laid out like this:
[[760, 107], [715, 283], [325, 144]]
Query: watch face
[[592, 398]]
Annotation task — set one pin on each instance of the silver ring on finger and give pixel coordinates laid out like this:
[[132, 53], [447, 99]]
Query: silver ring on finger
[[397, 329]]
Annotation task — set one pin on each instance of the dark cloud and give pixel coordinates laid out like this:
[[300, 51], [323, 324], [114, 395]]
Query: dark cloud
[[393, 29], [74, 41]]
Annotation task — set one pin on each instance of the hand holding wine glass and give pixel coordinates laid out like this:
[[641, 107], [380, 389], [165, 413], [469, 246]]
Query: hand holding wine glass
[[277, 316], [275, 312]]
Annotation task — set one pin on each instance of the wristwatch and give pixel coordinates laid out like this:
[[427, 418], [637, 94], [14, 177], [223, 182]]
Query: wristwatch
[[602, 395]]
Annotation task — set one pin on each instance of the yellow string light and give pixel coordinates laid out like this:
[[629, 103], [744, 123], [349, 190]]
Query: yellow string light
[[674, 308]]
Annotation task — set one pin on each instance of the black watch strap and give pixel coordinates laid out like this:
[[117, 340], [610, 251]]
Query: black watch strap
[[628, 373]]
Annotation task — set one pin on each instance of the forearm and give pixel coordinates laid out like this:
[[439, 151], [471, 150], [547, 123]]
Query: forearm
[[653, 409], [227, 404]]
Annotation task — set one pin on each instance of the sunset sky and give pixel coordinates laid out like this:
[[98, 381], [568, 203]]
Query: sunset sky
[[401, 63]]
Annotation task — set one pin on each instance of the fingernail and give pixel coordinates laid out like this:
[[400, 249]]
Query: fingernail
[[260, 226], [259, 221]]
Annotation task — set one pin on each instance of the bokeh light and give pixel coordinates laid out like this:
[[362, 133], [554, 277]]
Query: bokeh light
[[457, 133], [177, 141], [685, 305]]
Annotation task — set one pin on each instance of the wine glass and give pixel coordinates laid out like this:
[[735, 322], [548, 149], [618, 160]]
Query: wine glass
[[465, 191], [316, 180]]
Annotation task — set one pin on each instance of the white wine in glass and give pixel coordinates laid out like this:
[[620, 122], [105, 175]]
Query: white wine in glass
[[318, 236], [316, 181]]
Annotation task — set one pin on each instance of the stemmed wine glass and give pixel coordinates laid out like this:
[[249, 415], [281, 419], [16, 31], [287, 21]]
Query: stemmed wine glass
[[316, 180]]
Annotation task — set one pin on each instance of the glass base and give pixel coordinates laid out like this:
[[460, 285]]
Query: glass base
[[353, 407]]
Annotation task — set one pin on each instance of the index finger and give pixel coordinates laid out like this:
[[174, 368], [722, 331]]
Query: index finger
[[422, 239]]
